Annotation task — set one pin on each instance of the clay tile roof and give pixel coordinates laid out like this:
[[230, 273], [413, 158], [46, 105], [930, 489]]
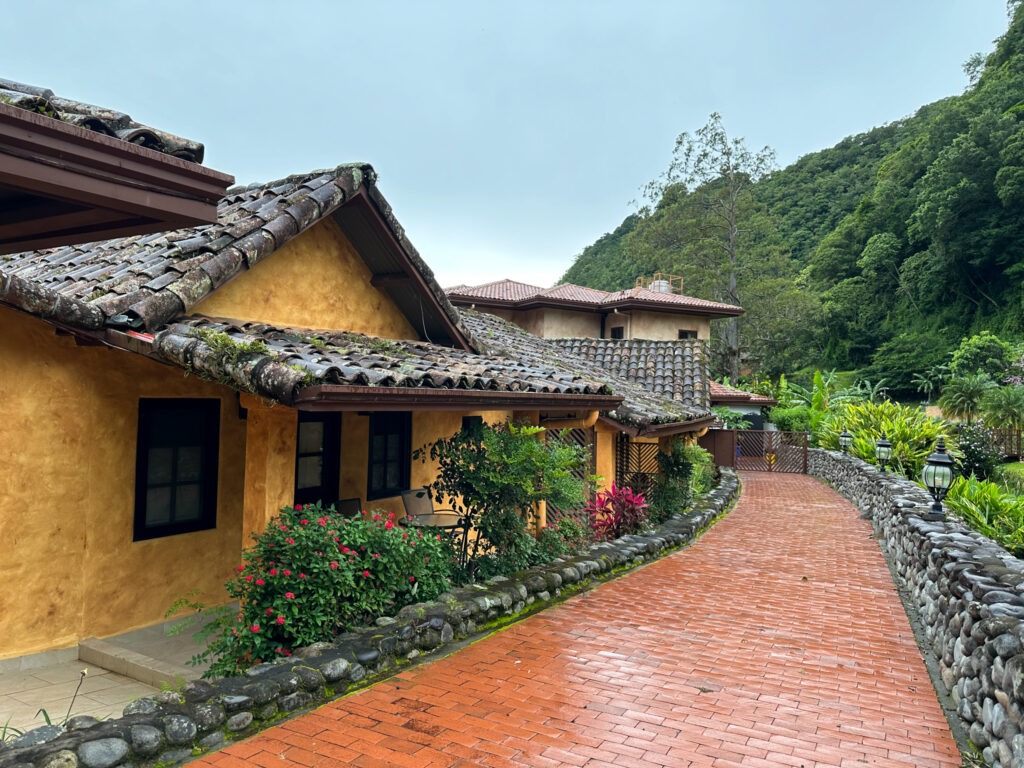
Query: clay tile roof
[[641, 407], [512, 294], [672, 369], [720, 393], [106, 121], [276, 362], [503, 290], [149, 280]]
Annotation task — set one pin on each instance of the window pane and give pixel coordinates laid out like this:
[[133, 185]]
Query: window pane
[[159, 469], [190, 464], [377, 477], [158, 506], [188, 502], [311, 436], [393, 475], [377, 448], [310, 472], [394, 446]]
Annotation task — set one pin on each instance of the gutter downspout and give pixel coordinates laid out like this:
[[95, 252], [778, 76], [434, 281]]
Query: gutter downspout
[[581, 422]]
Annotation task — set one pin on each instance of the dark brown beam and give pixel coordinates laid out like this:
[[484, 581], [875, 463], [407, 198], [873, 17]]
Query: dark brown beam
[[339, 397], [390, 279]]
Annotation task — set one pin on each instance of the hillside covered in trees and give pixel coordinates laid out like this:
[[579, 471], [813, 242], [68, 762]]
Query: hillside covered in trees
[[876, 255]]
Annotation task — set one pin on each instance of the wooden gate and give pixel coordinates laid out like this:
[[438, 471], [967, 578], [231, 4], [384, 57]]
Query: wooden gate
[[757, 450], [586, 438]]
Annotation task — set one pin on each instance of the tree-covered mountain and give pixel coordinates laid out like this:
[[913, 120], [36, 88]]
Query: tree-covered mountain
[[878, 254]]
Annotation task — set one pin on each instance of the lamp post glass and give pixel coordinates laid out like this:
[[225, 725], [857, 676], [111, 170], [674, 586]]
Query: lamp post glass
[[883, 451], [937, 475], [845, 438]]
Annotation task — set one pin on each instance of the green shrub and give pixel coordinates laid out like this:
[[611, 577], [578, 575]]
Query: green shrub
[[989, 510], [495, 476], [982, 353], [684, 472], [796, 419], [913, 434], [312, 573], [563, 537], [974, 453]]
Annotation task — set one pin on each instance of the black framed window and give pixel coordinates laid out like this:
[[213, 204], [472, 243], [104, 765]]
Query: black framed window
[[687, 334], [176, 466], [389, 457], [616, 332], [317, 458]]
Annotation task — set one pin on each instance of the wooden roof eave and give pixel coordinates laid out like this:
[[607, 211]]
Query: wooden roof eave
[[343, 397], [661, 430], [102, 186]]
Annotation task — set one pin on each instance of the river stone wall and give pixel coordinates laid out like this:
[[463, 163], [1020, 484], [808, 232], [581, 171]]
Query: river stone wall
[[173, 727], [968, 592]]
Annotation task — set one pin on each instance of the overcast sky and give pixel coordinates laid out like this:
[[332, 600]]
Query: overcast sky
[[506, 135]]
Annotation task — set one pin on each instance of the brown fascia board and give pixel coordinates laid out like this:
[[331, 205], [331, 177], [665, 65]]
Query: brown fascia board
[[588, 306], [661, 430], [341, 397], [50, 158], [388, 237]]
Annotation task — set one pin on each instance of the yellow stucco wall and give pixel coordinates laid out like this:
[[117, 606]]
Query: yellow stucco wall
[[606, 436], [566, 324], [661, 326], [318, 280], [67, 493]]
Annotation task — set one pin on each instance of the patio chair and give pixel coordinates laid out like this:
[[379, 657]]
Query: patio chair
[[349, 507], [420, 513]]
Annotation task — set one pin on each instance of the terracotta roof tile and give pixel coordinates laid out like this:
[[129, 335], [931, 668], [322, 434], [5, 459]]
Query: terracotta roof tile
[[523, 295], [641, 407], [106, 121], [722, 393], [276, 361]]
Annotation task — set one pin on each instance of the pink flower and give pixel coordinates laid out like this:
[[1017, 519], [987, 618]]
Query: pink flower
[[269, 610], [322, 521], [365, 574], [286, 652], [240, 568], [302, 575], [273, 571], [412, 578], [287, 573], [298, 507], [388, 525], [303, 521], [280, 619], [255, 628], [259, 582], [290, 595], [248, 578], [290, 540], [344, 549], [284, 527], [334, 565]]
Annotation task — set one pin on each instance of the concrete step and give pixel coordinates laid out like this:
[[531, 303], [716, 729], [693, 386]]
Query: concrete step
[[137, 666]]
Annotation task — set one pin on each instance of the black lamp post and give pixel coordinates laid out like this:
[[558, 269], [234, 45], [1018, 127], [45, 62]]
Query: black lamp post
[[883, 451], [937, 476], [845, 438]]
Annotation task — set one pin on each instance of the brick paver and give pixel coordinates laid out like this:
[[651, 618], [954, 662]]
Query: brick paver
[[776, 640]]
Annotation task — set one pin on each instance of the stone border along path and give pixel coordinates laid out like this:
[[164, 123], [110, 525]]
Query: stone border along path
[[777, 639]]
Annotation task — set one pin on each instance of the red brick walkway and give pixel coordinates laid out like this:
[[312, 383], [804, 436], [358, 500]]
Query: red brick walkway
[[776, 640]]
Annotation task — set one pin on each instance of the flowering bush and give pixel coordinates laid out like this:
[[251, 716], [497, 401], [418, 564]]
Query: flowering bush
[[313, 572], [976, 452], [563, 537], [617, 512]]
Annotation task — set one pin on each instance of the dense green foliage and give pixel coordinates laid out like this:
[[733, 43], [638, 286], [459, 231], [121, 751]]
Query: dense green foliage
[[878, 254], [990, 510], [913, 434], [495, 476], [684, 473], [313, 573]]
